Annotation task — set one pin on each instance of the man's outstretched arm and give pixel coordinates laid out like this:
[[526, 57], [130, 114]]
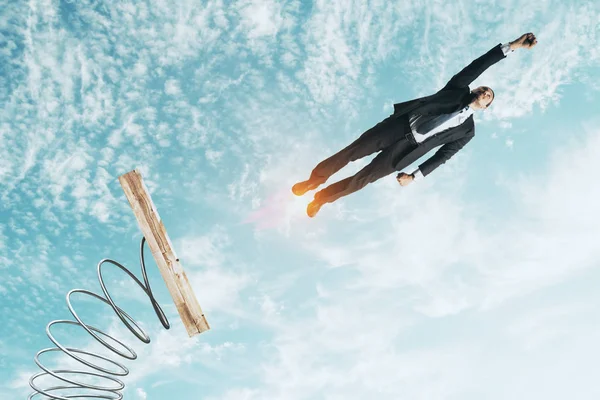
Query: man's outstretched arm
[[472, 71]]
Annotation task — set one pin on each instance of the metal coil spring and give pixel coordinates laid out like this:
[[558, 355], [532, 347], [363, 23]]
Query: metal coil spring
[[68, 386]]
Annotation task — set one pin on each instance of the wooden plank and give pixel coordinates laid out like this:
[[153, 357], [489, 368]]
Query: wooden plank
[[162, 250]]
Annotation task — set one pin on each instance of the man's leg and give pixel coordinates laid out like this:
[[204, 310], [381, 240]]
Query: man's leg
[[373, 140], [380, 166]]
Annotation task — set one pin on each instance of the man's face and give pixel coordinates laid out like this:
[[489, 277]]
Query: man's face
[[484, 96]]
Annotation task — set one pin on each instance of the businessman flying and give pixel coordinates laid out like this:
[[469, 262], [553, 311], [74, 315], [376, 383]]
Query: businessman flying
[[416, 127]]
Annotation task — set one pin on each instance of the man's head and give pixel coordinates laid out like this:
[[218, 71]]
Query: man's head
[[482, 97]]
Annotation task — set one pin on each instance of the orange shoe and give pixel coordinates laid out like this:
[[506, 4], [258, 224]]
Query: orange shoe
[[302, 187], [313, 208]]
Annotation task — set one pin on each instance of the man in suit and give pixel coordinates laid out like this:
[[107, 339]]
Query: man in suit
[[417, 126]]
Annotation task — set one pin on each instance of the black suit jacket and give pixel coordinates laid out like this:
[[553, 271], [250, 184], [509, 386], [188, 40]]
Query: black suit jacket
[[452, 97]]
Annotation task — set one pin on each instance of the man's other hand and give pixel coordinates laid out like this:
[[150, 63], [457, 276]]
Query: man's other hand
[[525, 41], [404, 179]]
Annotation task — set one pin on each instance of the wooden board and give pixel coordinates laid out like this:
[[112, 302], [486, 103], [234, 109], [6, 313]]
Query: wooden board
[[162, 250]]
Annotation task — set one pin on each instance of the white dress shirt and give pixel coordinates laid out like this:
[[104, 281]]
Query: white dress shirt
[[451, 123]]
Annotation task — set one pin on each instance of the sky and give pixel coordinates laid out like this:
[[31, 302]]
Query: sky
[[477, 282]]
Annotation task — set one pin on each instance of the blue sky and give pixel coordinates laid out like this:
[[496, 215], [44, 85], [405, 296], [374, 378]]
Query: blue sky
[[477, 282]]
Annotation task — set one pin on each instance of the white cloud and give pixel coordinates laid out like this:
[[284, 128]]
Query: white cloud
[[345, 42], [219, 290], [260, 18], [212, 270], [205, 251], [172, 87], [141, 394]]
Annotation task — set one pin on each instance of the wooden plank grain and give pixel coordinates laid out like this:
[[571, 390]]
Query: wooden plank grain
[[162, 250]]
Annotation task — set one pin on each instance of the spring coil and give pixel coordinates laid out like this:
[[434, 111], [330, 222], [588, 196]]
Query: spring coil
[[67, 377]]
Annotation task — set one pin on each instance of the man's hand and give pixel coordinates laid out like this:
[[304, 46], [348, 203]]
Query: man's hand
[[404, 179], [525, 41]]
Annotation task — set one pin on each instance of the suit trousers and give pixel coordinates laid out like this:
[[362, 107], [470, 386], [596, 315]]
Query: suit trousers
[[389, 137]]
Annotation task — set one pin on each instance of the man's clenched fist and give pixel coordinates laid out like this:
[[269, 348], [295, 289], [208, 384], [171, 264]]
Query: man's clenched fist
[[525, 41], [404, 179]]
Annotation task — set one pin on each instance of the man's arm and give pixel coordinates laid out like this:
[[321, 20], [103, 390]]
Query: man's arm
[[443, 154], [472, 71]]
